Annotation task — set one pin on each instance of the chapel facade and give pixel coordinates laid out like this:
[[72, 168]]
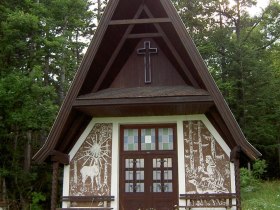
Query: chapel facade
[[144, 126]]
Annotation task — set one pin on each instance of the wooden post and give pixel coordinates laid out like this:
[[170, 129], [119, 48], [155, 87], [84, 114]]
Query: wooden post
[[237, 183], [54, 185]]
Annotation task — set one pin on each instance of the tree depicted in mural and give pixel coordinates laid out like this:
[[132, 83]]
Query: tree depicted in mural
[[90, 168], [207, 165]]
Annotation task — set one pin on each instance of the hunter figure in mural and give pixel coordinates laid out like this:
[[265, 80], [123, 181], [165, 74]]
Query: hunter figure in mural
[[205, 166]]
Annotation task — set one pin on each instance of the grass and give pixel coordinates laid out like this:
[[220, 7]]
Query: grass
[[265, 195]]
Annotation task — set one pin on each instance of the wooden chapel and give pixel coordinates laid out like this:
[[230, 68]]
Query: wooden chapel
[[144, 125]]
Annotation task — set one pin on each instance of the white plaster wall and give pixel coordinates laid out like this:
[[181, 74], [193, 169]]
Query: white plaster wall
[[117, 121]]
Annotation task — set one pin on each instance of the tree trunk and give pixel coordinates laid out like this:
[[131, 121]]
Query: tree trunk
[[224, 74], [279, 150], [27, 157], [62, 80], [47, 70], [240, 73]]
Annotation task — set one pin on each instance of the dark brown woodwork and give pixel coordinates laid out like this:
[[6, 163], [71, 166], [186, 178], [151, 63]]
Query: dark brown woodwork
[[115, 54], [143, 35], [217, 121], [142, 101], [226, 198], [208, 80], [87, 198], [54, 185], [175, 44], [145, 101], [76, 126], [147, 51], [173, 50], [149, 198], [139, 21], [155, 6], [66, 108], [148, 110], [165, 74], [93, 208], [60, 157]]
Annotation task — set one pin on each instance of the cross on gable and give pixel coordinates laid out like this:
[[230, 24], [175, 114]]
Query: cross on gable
[[147, 51]]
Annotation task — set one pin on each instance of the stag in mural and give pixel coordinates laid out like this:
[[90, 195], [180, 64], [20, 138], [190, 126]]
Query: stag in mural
[[90, 166], [93, 173]]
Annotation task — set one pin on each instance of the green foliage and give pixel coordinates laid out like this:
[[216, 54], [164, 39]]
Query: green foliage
[[242, 53], [266, 197], [251, 180], [41, 46], [259, 168], [36, 199], [247, 181]]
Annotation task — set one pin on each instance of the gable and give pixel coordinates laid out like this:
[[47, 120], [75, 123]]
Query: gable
[[163, 73], [108, 66]]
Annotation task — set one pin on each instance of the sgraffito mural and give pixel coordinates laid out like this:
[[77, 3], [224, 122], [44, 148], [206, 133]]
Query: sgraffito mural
[[90, 169], [207, 165]]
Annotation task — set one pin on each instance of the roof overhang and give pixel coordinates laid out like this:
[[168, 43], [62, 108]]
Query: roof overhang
[[145, 101]]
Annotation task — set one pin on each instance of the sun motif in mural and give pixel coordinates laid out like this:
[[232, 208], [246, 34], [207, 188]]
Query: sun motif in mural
[[96, 150], [90, 167]]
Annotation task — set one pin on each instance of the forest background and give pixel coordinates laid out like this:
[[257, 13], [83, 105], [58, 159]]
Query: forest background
[[42, 43]]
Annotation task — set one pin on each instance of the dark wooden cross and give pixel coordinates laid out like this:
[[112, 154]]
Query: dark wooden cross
[[147, 51]]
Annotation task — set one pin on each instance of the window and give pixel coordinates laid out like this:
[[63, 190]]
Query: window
[[148, 138]]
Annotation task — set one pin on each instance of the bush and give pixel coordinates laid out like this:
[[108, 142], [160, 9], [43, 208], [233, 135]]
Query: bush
[[36, 199], [259, 168], [251, 180]]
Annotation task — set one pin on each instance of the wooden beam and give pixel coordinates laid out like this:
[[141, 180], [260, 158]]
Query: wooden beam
[[209, 83], [54, 185], [146, 100], [80, 77], [144, 35], [174, 51], [60, 157], [116, 52], [88, 198], [139, 21]]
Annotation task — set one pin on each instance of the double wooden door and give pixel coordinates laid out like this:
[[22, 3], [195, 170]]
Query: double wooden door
[[148, 177]]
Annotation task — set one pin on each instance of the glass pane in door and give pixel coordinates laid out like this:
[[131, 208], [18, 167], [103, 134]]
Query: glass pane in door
[[162, 175], [134, 175]]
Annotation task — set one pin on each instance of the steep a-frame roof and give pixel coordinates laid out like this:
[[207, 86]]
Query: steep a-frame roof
[[105, 87]]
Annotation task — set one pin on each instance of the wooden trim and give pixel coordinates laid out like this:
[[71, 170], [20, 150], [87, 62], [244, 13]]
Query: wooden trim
[[174, 51], [60, 157], [79, 78], [148, 196], [116, 52], [139, 21], [192, 198], [208, 81], [144, 35], [92, 208], [87, 198], [184, 40], [131, 101], [54, 185], [208, 196]]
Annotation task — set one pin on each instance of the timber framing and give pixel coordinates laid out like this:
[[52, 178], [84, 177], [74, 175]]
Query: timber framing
[[59, 157], [139, 21], [117, 35]]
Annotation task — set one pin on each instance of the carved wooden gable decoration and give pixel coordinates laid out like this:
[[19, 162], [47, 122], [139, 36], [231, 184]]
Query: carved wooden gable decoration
[[142, 68]]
